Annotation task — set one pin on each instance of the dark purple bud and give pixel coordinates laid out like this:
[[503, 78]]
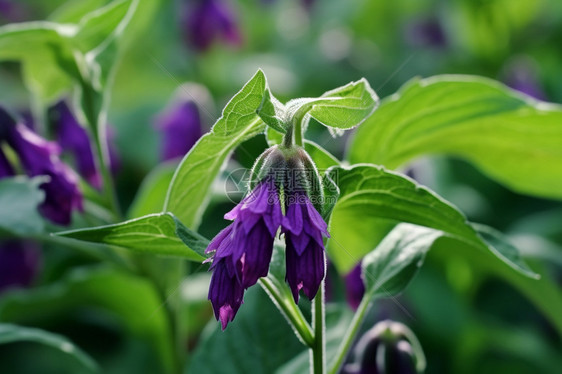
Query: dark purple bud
[[19, 263], [242, 251], [74, 138], [6, 169], [207, 20], [354, 287], [387, 348], [41, 157], [522, 75], [304, 229], [225, 292], [181, 128], [426, 33]]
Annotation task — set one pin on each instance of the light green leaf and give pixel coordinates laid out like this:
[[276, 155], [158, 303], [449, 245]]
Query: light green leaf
[[272, 112], [189, 191], [11, 334], [369, 193], [342, 108], [19, 198], [155, 234], [73, 11], [152, 192], [511, 137], [131, 298]]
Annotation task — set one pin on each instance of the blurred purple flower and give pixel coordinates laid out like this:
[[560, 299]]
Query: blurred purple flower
[[207, 20], [74, 138], [354, 286], [19, 262], [522, 75], [304, 228], [40, 157], [12, 11], [426, 33], [6, 169], [243, 249], [181, 128], [114, 159]]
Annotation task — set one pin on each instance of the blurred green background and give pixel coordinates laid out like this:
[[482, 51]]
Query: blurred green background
[[466, 321]]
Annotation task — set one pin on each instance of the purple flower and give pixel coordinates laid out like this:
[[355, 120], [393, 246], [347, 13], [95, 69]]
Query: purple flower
[[426, 33], [181, 128], [522, 75], [243, 250], [208, 20], [19, 261], [304, 229], [40, 157], [12, 11], [354, 286], [74, 138], [6, 169]]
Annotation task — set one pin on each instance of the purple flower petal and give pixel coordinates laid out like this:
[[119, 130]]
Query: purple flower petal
[[181, 128], [19, 263], [354, 287], [305, 271], [226, 294]]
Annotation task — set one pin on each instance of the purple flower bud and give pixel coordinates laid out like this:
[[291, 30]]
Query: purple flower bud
[[74, 138], [6, 169], [208, 20], [181, 128], [304, 228], [19, 261], [354, 287], [243, 250], [40, 157]]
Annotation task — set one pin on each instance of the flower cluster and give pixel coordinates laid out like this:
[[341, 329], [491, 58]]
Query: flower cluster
[[41, 157], [243, 250]]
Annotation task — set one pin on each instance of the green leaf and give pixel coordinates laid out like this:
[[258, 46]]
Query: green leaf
[[157, 234], [258, 341], [272, 112], [511, 137], [132, 299], [189, 191], [388, 269], [11, 333], [342, 108], [74, 11], [369, 193], [321, 157], [152, 192], [19, 198]]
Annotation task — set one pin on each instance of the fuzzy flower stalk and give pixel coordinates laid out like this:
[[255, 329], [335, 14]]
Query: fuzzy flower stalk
[[279, 204]]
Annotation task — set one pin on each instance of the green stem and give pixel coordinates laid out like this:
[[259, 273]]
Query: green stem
[[298, 132], [108, 188], [318, 360], [294, 130], [291, 312], [350, 334]]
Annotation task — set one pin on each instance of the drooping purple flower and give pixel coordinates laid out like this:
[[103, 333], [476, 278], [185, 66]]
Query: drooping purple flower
[[74, 138], [304, 230], [6, 169], [208, 20], [181, 128], [41, 157], [242, 251], [19, 261], [354, 287]]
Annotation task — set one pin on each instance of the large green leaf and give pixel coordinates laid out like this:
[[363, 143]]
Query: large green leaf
[[512, 138], [19, 198], [369, 193], [156, 234], [152, 192], [132, 299], [191, 185], [11, 333]]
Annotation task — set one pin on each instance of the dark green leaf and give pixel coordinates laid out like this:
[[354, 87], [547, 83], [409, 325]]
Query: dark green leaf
[[157, 234], [512, 138], [19, 198], [189, 191], [12, 333]]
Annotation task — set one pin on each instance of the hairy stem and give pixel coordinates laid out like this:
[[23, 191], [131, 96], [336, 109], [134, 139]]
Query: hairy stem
[[317, 355]]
